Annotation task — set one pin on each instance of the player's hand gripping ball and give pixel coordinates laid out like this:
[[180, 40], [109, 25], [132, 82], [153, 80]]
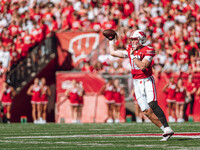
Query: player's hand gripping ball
[[109, 34]]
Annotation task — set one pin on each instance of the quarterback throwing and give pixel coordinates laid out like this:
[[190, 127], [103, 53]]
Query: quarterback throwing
[[140, 57]]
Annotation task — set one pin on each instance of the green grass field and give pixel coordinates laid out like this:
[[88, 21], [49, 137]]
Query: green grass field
[[95, 136]]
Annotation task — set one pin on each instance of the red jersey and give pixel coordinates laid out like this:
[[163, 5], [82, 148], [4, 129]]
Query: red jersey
[[108, 92], [73, 96], [36, 93], [7, 96], [137, 73], [171, 91], [117, 95], [180, 94]]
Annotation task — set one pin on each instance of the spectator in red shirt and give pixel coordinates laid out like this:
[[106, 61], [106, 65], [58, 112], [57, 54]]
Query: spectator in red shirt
[[43, 29], [64, 23], [190, 93], [52, 26], [75, 23], [35, 13], [110, 24], [128, 8], [5, 37], [194, 66], [20, 48], [34, 32], [14, 29], [67, 9], [85, 23], [192, 48], [95, 25], [47, 15], [28, 40], [14, 55]]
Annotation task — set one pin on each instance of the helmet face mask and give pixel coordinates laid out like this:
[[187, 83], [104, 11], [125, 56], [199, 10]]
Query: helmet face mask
[[138, 36], [134, 42]]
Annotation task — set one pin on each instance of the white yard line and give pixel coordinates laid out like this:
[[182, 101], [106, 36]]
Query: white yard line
[[103, 136]]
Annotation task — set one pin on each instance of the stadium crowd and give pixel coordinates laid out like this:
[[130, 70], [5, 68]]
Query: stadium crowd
[[172, 28]]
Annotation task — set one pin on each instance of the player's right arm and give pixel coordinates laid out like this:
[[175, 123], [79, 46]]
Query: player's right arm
[[116, 53]]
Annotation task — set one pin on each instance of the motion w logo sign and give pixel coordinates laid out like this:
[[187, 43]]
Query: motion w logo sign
[[80, 46]]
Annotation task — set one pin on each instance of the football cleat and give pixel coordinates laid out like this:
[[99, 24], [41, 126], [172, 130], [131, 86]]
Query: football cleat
[[166, 138], [168, 131]]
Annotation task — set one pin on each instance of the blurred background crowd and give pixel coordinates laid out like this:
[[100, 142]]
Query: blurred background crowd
[[172, 28]]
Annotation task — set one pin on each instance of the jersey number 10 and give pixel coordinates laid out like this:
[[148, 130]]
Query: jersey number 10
[[133, 65]]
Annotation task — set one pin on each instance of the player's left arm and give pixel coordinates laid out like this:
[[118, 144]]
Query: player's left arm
[[144, 63]]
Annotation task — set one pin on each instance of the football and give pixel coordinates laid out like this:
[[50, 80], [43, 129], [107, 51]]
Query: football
[[109, 34]]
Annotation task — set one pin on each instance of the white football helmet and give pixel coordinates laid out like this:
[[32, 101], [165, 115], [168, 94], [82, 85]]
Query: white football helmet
[[140, 35]]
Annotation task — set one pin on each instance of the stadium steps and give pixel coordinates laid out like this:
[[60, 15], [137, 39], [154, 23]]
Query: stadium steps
[[36, 60]]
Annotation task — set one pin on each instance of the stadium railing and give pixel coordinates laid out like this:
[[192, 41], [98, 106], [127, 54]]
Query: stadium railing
[[35, 61]]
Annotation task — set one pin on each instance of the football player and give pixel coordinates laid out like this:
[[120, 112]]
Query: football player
[[140, 57]]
